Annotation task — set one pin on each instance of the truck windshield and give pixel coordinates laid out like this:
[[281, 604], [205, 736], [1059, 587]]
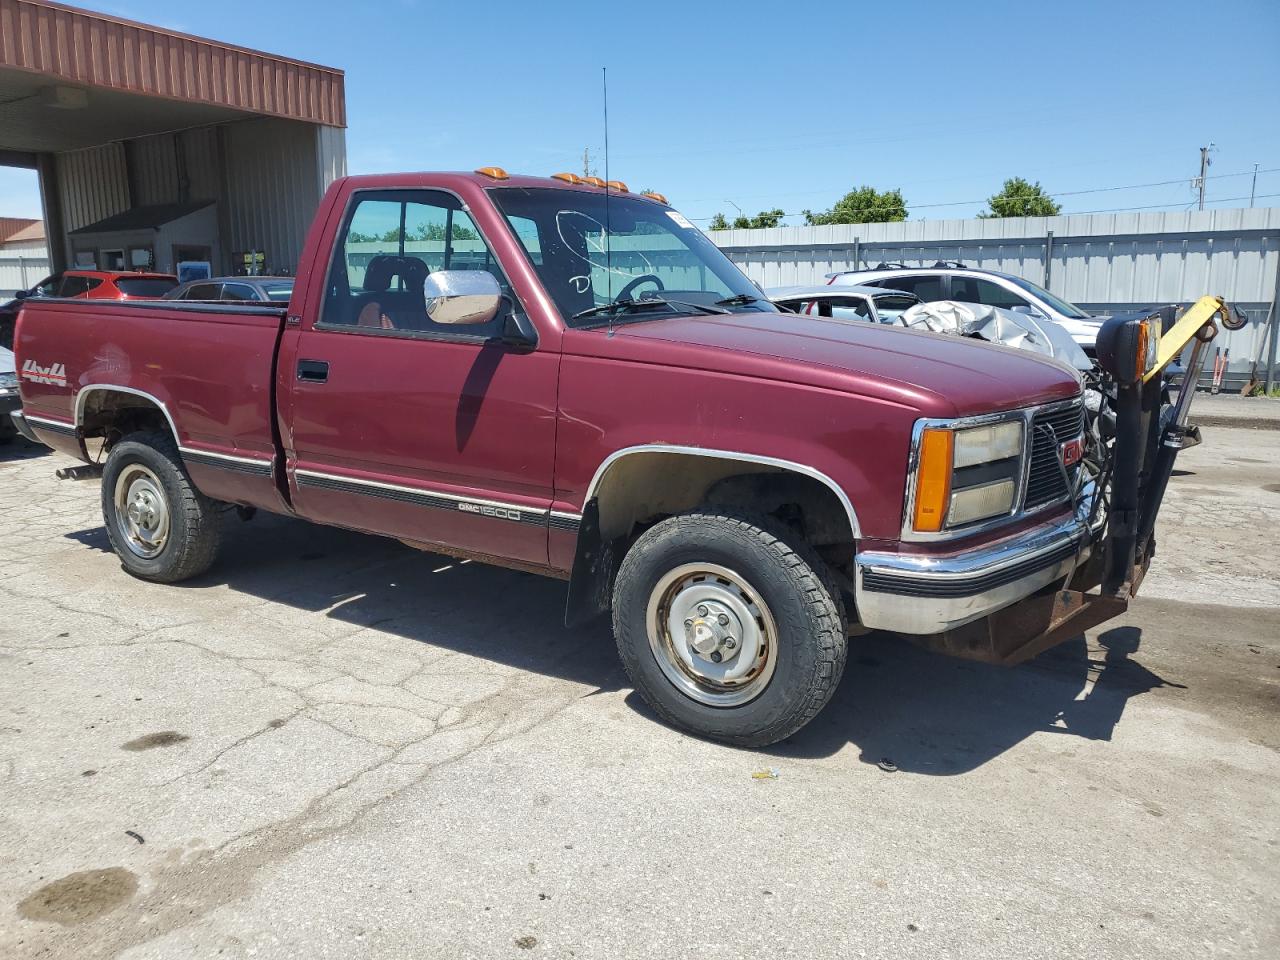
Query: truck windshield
[[590, 254]]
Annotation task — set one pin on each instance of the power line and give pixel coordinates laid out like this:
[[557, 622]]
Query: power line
[[1063, 193]]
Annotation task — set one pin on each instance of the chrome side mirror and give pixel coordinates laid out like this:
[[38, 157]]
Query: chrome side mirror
[[462, 297]]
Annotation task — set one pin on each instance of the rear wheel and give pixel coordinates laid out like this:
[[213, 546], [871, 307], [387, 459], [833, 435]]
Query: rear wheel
[[728, 628], [161, 527]]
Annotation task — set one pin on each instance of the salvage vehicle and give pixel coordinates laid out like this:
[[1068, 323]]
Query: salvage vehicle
[[950, 280], [870, 304], [563, 377]]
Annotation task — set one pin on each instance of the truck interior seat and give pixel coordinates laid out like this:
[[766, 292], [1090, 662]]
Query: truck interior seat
[[394, 284]]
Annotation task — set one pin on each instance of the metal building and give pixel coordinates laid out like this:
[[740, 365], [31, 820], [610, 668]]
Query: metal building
[[1103, 262], [133, 128]]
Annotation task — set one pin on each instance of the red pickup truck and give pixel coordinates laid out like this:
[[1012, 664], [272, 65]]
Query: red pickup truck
[[564, 377]]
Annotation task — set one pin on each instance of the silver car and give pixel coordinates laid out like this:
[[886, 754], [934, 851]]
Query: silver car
[[870, 304]]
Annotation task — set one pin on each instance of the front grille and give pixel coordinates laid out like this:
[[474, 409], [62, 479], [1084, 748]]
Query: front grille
[[1045, 482]]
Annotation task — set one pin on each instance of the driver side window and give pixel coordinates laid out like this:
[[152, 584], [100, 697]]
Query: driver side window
[[390, 243], [975, 290]]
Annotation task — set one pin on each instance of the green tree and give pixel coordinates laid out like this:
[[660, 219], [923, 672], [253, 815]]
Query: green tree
[[863, 205], [765, 218], [1018, 198]]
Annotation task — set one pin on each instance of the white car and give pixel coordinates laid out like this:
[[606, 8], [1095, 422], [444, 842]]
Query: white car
[[955, 281], [871, 304]]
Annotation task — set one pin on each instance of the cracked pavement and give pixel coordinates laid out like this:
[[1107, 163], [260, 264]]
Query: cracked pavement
[[335, 746]]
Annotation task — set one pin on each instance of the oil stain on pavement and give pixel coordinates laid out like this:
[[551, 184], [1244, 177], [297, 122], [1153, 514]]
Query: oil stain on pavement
[[81, 896], [165, 738]]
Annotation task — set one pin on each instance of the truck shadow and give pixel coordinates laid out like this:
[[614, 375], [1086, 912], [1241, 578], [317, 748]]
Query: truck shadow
[[925, 713], [20, 448]]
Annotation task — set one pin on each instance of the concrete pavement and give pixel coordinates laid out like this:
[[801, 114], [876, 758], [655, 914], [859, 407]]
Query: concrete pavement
[[334, 746]]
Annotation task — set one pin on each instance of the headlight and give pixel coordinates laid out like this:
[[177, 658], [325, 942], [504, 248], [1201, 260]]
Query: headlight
[[966, 475]]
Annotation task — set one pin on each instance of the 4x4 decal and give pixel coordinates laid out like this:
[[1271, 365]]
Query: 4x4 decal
[[55, 374]]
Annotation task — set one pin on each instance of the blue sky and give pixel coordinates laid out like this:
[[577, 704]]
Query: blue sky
[[763, 105]]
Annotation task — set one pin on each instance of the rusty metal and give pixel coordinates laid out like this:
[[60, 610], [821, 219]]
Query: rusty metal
[[1028, 628], [84, 48]]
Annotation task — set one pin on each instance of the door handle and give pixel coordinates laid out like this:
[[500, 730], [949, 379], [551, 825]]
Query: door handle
[[313, 371]]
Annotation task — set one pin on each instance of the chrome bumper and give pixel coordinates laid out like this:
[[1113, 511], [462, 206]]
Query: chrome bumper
[[20, 424], [912, 593]]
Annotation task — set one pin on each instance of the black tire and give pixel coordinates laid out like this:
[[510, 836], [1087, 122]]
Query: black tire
[[195, 521], [811, 636]]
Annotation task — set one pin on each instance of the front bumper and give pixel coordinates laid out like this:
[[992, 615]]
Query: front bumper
[[924, 594]]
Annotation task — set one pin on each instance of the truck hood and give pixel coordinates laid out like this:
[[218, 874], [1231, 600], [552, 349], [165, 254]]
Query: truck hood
[[937, 375]]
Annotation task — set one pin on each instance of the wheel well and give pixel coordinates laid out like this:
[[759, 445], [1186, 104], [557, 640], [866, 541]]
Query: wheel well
[[644, 487], [639, 489], [113, 414]]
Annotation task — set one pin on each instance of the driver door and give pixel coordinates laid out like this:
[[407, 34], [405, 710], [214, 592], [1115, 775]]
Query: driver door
[[401, 426]]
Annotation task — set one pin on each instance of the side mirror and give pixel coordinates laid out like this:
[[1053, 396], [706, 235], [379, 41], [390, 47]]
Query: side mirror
[[462, 297], [23, 294]]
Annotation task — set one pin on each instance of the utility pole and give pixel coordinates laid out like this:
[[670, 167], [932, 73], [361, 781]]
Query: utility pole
[[586, 163], [1199, 182], [1253, 189]]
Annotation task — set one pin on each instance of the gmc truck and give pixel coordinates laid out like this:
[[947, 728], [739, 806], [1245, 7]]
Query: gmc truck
[[564, 377]]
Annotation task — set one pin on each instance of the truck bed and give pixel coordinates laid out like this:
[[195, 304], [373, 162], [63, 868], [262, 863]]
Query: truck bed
[[209, 367]]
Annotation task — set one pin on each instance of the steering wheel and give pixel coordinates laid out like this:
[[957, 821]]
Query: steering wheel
[[625, 292]]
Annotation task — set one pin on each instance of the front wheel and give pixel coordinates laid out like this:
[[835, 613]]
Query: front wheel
[[727, 629], [161, 527]]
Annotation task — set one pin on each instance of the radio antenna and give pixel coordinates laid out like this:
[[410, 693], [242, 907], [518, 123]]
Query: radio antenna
[[608, 231]]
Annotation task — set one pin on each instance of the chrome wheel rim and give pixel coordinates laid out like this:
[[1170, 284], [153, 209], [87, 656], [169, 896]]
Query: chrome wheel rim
[[712, 634], [142, 511]]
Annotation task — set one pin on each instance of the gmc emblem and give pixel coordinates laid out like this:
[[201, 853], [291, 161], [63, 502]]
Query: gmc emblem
[[1072, 452]]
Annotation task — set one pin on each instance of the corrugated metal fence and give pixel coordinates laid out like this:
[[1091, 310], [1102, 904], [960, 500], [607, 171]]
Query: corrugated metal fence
[[21, 273], [1102, 262]]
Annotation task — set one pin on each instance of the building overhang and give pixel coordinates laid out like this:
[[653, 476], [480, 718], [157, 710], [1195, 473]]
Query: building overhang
[[73, 78]]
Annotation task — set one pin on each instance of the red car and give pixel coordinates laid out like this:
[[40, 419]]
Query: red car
[[88, 285], [104, 285], [566, 378]]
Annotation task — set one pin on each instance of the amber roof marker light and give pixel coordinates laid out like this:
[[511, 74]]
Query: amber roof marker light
[[567, 177], [497, 173], [654, 195]]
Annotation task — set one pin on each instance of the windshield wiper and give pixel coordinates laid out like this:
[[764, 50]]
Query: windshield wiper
[[737, 300], [615, 305], [630, 303]]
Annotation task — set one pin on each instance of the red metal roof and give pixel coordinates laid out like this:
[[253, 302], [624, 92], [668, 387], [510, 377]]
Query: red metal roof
[[92, 49]]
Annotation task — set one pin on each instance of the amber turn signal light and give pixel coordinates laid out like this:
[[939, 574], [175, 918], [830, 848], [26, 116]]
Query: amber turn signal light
[[497, 173], [933, 481]]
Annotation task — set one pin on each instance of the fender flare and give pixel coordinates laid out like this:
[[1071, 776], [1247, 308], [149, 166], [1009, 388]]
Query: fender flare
[[752, 458], [83, 394], [596, 562]]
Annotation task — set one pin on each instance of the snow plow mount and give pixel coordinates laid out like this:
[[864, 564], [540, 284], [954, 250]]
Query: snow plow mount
[[1134, 353]]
